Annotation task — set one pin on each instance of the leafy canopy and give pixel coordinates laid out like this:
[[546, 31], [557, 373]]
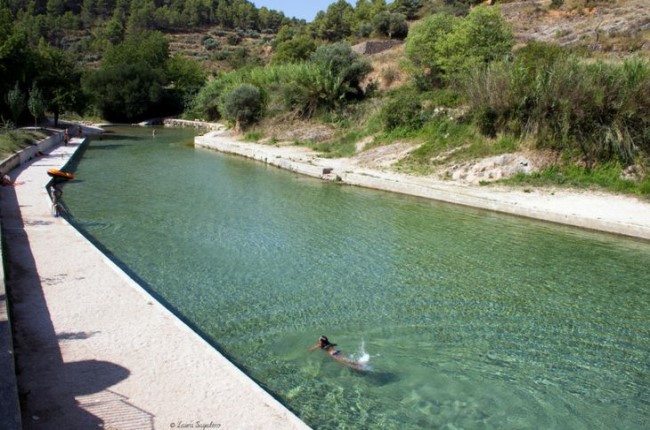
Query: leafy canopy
[[446, 47]]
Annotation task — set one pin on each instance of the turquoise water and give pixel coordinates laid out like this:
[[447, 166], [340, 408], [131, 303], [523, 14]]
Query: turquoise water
[[471, 319]]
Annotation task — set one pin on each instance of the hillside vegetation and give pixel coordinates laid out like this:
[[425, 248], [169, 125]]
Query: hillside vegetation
[[559, 86]]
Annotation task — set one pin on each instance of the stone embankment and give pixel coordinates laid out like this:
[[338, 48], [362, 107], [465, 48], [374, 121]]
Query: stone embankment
[[590, 210], [94, 349]]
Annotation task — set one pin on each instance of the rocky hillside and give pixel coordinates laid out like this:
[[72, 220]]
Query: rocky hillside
[[617, 26]]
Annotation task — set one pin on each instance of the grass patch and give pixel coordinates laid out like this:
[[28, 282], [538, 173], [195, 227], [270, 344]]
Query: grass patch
[[606, 177], [253, 136], [448, 141], [15, 140], [343, 145]]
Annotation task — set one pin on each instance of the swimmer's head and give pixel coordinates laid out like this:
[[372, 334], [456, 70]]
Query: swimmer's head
[[325, 342]]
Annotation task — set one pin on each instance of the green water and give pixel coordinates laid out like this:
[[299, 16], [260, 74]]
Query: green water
[[472, 319]]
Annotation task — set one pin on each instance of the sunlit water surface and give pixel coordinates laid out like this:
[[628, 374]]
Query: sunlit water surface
[[471, 319]]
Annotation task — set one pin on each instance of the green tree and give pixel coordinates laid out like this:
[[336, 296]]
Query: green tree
[[141, 16], [36, 103], [408, 8], [445, 47], [131, 82], [378, 6], [88, 13], [422, 46], [242, 105], [269, 19], [16, 102], [113, 30], [403, 110], [397, 27], [381, 23], [127, 92], [15, 56], [293, 50], [55, 8], [59, 79], [185, 75], [150, 47], [363, 10], [392, 25], [483, 36], [342, 62], [336, 23], [340, 71]]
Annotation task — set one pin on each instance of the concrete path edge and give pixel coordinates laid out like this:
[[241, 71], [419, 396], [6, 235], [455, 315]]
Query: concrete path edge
[[10, 409], [9, 402]]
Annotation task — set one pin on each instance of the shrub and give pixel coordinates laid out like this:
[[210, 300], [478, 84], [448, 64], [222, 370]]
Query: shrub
[[403, 110], [243, 105], [326, 81], [421, 46], [233, 39], [364, 30], [294, 50], [397, 27], [482, 37], [597, 111], [342, 63], [210, 43]]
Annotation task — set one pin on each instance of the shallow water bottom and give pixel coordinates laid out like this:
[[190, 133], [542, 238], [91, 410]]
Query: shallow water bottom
[[470, 319]]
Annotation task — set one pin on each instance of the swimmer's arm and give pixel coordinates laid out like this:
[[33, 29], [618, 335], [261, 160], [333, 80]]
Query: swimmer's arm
[[315, 347]]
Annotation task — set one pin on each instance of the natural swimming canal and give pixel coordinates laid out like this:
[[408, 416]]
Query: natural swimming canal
[[472, 319]]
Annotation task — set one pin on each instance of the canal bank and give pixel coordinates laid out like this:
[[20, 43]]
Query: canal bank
[[603, 212], [93, 348]]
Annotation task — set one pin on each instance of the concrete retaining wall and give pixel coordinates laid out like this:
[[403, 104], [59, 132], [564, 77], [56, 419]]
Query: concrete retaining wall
[[15, 160], [212, 126], [20, 158], [10, 417], [9, 404]]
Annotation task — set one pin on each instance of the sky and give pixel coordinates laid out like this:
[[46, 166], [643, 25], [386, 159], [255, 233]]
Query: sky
[[301, 9]]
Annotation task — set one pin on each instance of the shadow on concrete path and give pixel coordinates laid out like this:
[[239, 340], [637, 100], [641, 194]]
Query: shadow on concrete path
[[54, 394]]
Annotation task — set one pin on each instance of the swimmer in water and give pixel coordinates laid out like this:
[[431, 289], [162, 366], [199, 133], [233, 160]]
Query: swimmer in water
[[336, 354], [326, 345]]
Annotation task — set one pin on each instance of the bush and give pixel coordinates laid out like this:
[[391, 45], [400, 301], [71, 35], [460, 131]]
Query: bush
[[404, 110], [480, 38], [233, 39], [398, 28], [599, 112], [210, 43], [342, 63], [243, 105], [421, 46], [294, 50], [326, 81]]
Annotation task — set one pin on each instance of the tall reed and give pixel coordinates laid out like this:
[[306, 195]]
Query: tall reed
[[598, 111]]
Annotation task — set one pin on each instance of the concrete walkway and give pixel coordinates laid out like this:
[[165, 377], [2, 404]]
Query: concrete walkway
[[93, 348]]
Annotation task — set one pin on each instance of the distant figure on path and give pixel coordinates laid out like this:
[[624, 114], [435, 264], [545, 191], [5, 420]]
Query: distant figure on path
[[55, 195], [66, 137]]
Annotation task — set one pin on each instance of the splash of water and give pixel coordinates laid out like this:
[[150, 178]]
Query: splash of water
[[362, 357]]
